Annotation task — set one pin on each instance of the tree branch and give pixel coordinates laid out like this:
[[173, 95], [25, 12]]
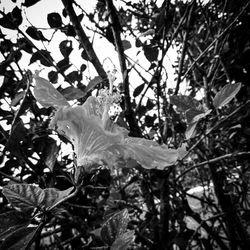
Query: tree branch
[[68, 4], [116, 30]]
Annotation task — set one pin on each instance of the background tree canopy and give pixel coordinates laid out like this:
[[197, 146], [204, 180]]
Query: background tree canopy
[[198, 201]]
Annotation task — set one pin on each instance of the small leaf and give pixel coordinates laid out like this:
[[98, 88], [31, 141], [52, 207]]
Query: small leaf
[[12, 20], [24, 196], [226, 94], [64, 64], [150, 52], [54, 20], [47, 95], [148, 32], [126, 44], [18, 97], [72, 93], [115, 227], [93, 83], [138, 90], [43, 56], [184, 102], [66, 47], [53, 76], [191, 113], [52, 152], [74, 76], [83, 67], [19, 239]]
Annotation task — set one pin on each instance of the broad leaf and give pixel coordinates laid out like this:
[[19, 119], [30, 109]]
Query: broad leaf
[[11, 221], [184, 102], [190, 131], [115, 227], [19, 239], [46, 94], [24, 196], [27, 197], [36, 34], [126, 44], [150, 52], [226, 94], [72, 93]]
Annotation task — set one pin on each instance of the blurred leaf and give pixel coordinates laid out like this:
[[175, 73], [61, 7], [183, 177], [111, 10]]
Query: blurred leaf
[[190, 131], [66, 47], [36, 34], [93, 83], [18, 97], [72, 93], [64, 64], [19, 239], [54, 20], [53, 76], [83, 67], [184, 102], [52, 152], [84, 55], [148, 32], [29, 3], [150, 52], [138, 90], [12, 19], [226, 94], [11, 221], [115, 227], [191, 113], [46, 94], [69, 30], [74, 76], [43, 56], [138, 43], [126, 44]]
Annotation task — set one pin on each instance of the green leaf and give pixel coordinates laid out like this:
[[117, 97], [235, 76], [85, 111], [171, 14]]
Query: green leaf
[[66, 47], [27, 197], [12, 19], [126, 44], [11, 221], [54, 20], [138, 90], [36, 34], [29, 3], [24, 196], [184, 102], [53, 76], [191, 114], [123, 241], [226, 94], [150, 52], [190, 131], [72, 93], [19, 239], [93, 83], [115, 227], [46, 94]]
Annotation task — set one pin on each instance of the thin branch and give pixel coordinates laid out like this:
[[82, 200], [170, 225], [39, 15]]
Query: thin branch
[[116, 30], [231, 155], [84, 40]]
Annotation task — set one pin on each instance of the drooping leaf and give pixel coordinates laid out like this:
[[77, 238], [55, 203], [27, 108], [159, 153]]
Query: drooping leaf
[[24, 196], [226, 94], [54, 20], [150, 52], [126, 44], [138, 90], [29, 3], [115, 227], [36, 34], [184, 102], [11, 221], [19, 239], [93, 83], [52, 152], [46, 94], [72, 93]]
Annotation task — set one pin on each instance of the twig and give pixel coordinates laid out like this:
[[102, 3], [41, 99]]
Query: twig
[[231, 155]]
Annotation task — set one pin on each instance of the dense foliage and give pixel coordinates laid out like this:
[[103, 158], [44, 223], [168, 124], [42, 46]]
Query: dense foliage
[[148, 153]]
